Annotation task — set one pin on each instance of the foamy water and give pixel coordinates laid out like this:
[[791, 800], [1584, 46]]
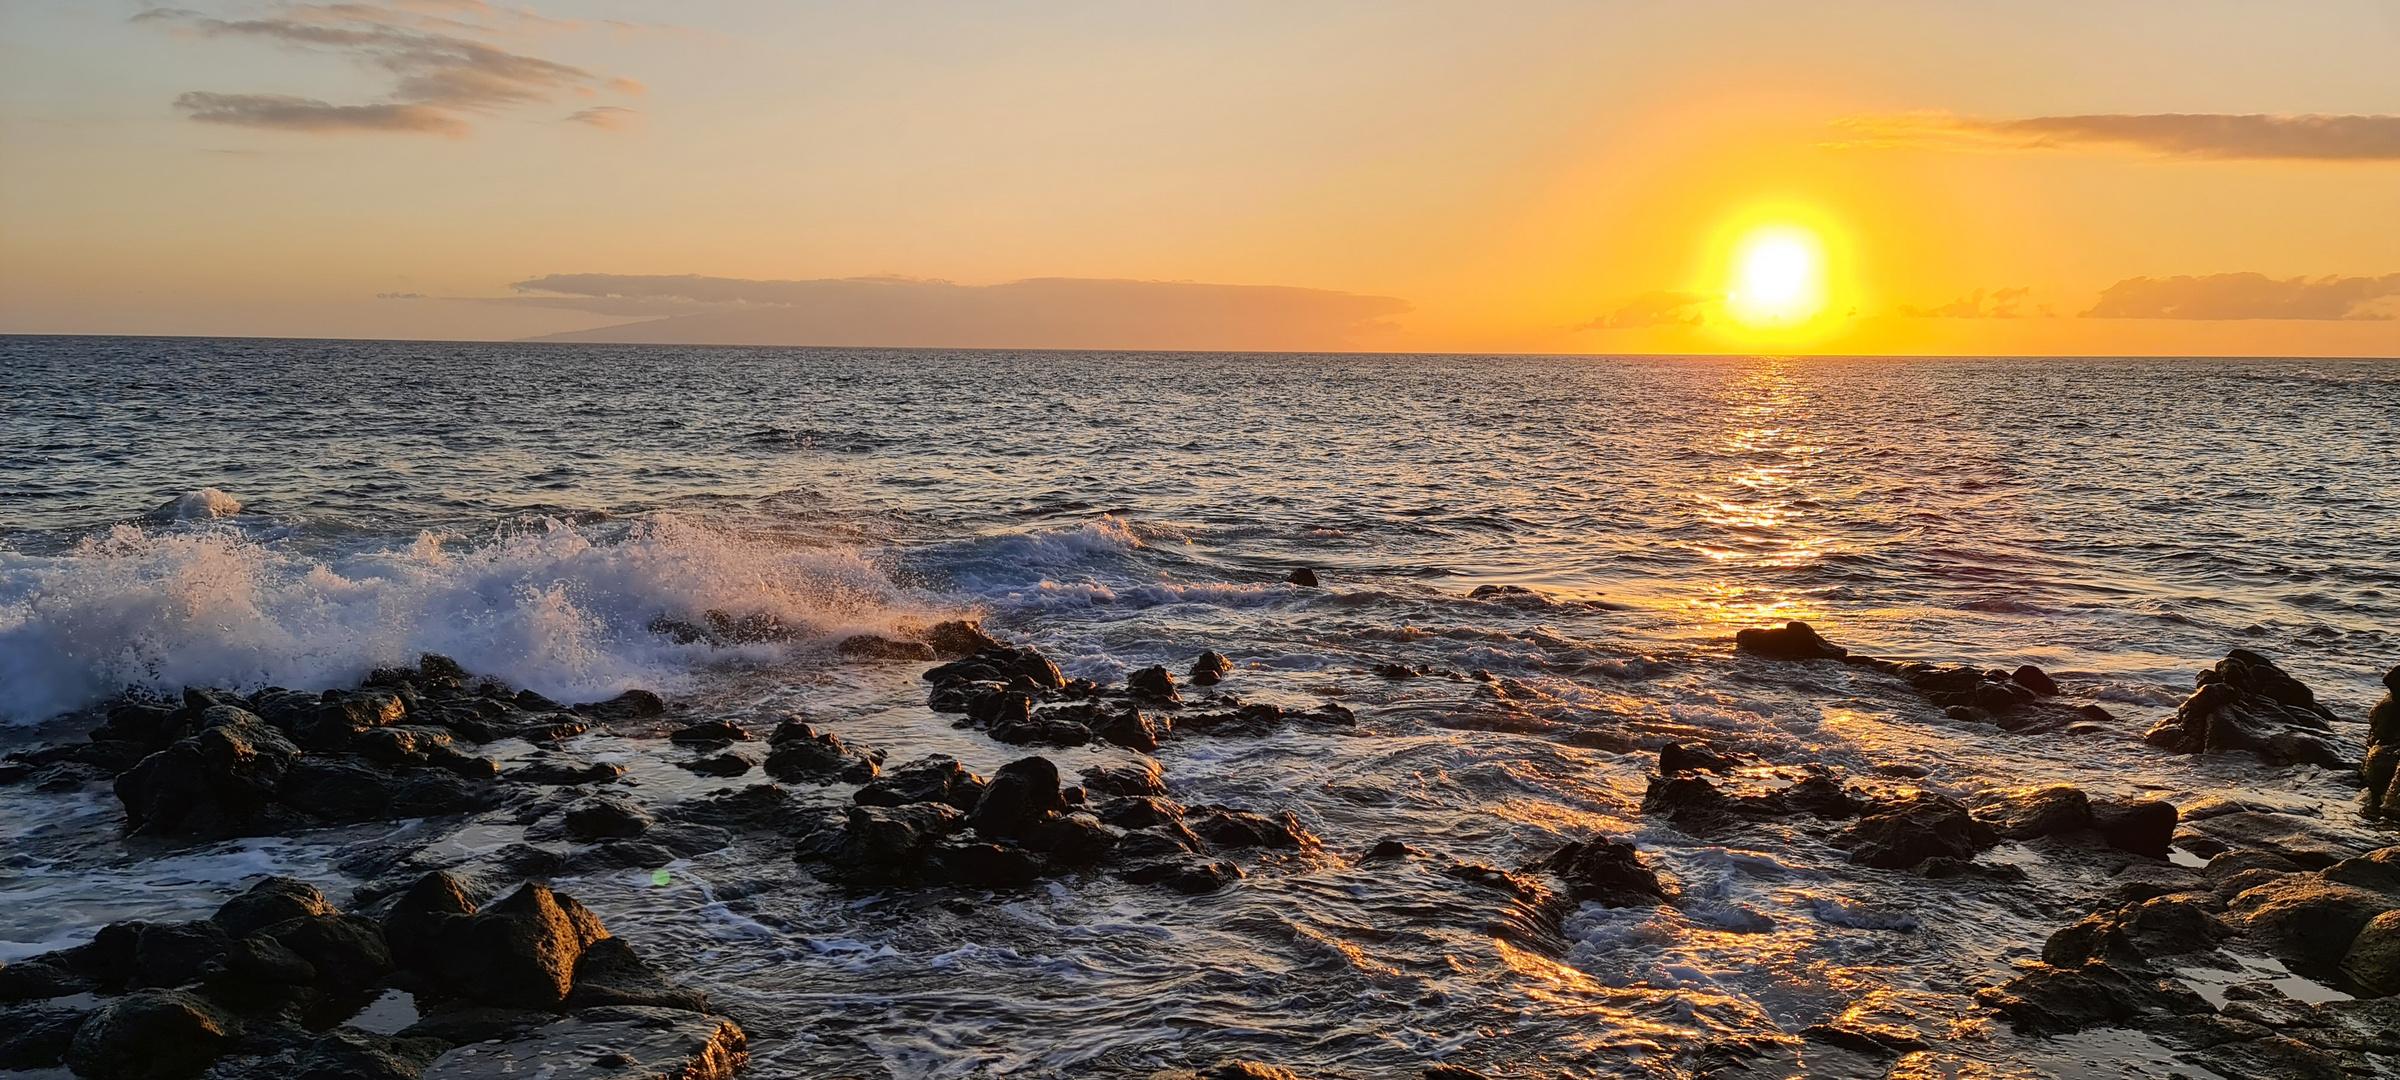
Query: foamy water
[[536, 511]]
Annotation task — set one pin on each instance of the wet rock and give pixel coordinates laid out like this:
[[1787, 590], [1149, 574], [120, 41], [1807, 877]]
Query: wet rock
[[2159, 927], [2381, 770], [686, 840], [962, 860], [338, 791], [1873, 1040], [1900, 835], [1041, 730], [612, 1043], [2246, 703], [1022, 794], [2056, 1001], [1211, 668], [458, 1023], [936, 779], [1395, 671], [620, 855], [1676, 757], [37, 1036], [960, 637], [2306, 921], [170, 954], [431, 794], [1792, 641], [606, 818], [1190, 874], [1303, 577], [419, 929], [720, 765], [2035, 679], [2141, 826], [348, 952], [218, 782], [710, 732], [1224, 826], [878, 647], [55, 975], [801, 754], [2305, 841], [1077, 839], [1141, 812], [1691, 802], [609, 974], [1132, 779], [628, 706], [2034, 812], [519, 952], [151, 1035], [758, 806], [1130, 729], [1450, 1072], [566, 774], [886, 843], [1607, 873], [1000, 665], [1153, 683], [1389, 849]]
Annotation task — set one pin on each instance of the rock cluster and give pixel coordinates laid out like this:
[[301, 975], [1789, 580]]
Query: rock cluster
[[1017, 696], [2381, 771], [933, 822], [263, 983], [2020, 700], [2246, 703]]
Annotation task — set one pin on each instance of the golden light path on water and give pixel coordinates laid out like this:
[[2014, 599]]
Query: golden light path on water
[[1762, 505]]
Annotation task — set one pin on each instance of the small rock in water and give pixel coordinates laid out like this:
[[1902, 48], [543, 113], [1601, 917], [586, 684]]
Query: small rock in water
[[1022, 795], [721, 765], [1607, 873], [1303, 577], [2247, 703], [2030, 813], [2035, 679], [606, 818], [1793, 641], [1139, 778], [1675, 757], [1153, 683], [1924, 826], [712, 731], [960, 637], [615, 1041], [630, 705], [2141, 826], [1210, 669]]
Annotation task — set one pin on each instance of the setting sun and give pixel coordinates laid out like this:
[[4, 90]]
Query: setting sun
[[1778, 277]]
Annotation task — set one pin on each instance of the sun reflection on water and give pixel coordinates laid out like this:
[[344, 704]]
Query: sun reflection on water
[[1759, 514]]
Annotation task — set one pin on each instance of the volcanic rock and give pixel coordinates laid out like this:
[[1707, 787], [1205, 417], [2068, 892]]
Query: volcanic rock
[[608, 1044], [37, 1036], [1607, 873], [801, 753], [2141, 826], [1153, 683], [2381, 770], [2034, 812], [1793, 641], [1022, 795], [606, 818], [630, 705], [1676, 757], [151, 1035], [216, 783], [937, 779], [1924, 826], [2246, 703], [1211, 668]]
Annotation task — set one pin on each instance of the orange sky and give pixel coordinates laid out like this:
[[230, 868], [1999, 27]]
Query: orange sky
[[1560, 177]]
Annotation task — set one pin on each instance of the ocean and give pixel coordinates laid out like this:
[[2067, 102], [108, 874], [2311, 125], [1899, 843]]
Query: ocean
[[1588, 532]]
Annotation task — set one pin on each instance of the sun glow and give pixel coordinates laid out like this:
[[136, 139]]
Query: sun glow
[[1778, 277]]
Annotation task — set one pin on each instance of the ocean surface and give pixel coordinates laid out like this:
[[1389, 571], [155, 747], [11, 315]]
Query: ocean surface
[[295, 513]]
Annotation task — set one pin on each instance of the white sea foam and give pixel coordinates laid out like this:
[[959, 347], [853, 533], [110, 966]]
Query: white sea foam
[[560, 610], [206, 504]]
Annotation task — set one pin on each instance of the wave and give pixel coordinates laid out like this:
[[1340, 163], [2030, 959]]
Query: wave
[[561, 609]]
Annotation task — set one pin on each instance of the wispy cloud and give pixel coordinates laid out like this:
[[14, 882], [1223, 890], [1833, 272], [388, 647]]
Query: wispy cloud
[[2224, 136], [1038, 313], [606, 117], [1659, 308], [1980, 304], [443, 56], [2249, 296]]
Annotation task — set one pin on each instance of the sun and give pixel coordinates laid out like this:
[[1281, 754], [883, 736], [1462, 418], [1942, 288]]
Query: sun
[[1777, 277]]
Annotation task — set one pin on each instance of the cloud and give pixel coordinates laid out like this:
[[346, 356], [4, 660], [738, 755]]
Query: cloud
[[2248, 296], [2224, 136], [2005, 304], [1037, 313], [1661, 308], [439, 54], [606, 117]]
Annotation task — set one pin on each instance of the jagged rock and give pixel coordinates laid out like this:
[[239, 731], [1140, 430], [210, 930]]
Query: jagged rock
[[1225, 826], [37, 1036], [606, 817], [1153, 683], [2381, 771], [566, 774], [2159, 927], [1188, 874], [1076, 839], [2034, 812], [1924, 826], [1129, 728], [1001, 665], [1606, 873], [609, 974], [710, 732], [630, 705], [2141, 826], [2246, 703], [218, 782], [1135, 779], [151, 1035], [1303, 577], [2056, 1001], [2302, 840], [758, 806], [608, 1044], [1022, 794], [338, 791], [170, 954], [936, 779], [720, 765], [878, 647], [886, 843], [1211, 668], [2035, 679], [802, 754], [519, 952], [1676, 757], [960, 637], [2306, 921], [1792, 641], [458, 1023]]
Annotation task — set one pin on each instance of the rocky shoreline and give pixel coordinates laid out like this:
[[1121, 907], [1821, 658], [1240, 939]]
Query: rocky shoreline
[[508, 977]]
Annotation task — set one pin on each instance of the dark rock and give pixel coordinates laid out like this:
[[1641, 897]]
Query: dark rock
[[2306, 921], [878, 647], [1190, 874], [217, 782], [1389, 849], [1130, 729], [613, 1042], [1141, 812], [721, 765], [1040, 730], [37, 1036], [687, 840], [430, 794], [2057, 1001], [2034, 812], [2381, 770], [253, 962], [401, 744], [886, 843], [2372, 963], [2141, 826], [1900, 835], [1073, 839], [2160, 927], [1675, 757], [421, 925], [350, 1054], [1022, 794], [151, 1035], [459, 1023], [1793, 641], [348, 951], [1153, 683], [801, 754], [1303, 577], [566, 774], [608, 973], [628, 706], [1133, 779], [1395, 671], [1873, 1040], [938, 779], [1606, 873], [713, 731], [960, 637], [2303, 840], [1171, 841], [170, 954], [520, 952], [758, 806], [963, 861], [53, 975], [338, 791], [620, 855], [2035, 679], [1211, 668], [536, 703], [1227, 827], [606, 817], [1000, 665], [2246, 703]]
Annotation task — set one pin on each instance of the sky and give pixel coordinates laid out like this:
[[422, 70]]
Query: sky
[[2033, 178]]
